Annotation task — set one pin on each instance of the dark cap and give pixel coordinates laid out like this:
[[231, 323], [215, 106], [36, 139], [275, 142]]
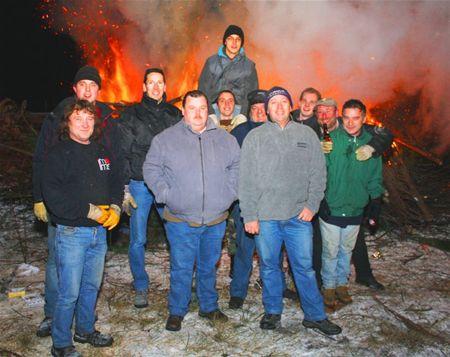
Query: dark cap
[[256, 96], [90, 73], [233, 30], [276, 91], [153, 70]]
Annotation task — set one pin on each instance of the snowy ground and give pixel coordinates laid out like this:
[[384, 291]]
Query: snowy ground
[[410, 318]]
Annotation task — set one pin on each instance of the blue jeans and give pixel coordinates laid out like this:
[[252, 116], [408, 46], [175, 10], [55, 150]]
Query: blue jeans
[[337, 247], [297, 237], [243, 258], [138, 232], [189, 246], [80, 258], [51, 276]]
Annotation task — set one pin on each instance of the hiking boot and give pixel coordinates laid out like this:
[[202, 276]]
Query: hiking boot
[[325, 326], [95, 339], [174, 323], [329, 298], [270, 321], [45, 328], [235, 302], [69, 351], [141, 298], [290, 294], [371, 283], [343, 295], [215, 315]]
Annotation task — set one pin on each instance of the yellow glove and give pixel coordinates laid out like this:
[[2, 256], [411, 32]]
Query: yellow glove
[[40, 211], [128, 202], [114, 217], [98, 213], [327, 146], [364, 152]]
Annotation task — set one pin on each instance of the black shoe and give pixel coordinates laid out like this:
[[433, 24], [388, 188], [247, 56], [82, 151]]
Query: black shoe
[[174, 323], [95, 339], [216, 315], [290, 294], [371, 283], [270, 321], [69, 351], [45, 328], [325, 326], [235, 302]]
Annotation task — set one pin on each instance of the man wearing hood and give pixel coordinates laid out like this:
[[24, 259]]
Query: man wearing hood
[[139, 125], [229, 69]]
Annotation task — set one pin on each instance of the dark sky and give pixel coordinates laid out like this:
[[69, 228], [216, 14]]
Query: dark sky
[[36, 65]]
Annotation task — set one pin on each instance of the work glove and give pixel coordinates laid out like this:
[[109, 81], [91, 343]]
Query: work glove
[[114, 217], [327, 146], [128, 201], [40, 211], [364, 152], [98, 213]]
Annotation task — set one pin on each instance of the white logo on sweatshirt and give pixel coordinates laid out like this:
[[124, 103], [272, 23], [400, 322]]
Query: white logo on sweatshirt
[[104, 164]]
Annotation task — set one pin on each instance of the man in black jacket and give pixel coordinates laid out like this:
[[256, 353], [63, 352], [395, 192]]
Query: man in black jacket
[[139, 124], [86, 85]]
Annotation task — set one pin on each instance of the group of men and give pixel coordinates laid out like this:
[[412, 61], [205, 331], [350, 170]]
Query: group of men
[[267, 168]]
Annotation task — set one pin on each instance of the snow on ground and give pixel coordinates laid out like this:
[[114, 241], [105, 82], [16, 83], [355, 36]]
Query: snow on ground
[[409, 318]]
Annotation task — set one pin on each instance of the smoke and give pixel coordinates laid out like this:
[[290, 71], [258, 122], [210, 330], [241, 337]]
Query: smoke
[[368, 50]]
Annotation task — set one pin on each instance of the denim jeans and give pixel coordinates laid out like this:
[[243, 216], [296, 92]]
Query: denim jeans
[[80, 258], [243, 258], [51, 276], [337, 246], [297, 237], [189, 246], [138, 232]]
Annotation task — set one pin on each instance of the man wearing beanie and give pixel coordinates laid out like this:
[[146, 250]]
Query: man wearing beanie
[[86, 86], [281, 183], [229, 69]]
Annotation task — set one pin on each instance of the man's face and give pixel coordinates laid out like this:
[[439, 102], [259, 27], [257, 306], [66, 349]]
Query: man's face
[[327, 115], [226, 104], [87, 90], [233, 45], [195, 112], [257, 113], [307, 104], [353, 120], [279, 109], [154, 86], [81, 126]]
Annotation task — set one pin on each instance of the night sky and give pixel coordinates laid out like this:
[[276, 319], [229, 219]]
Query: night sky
[[36, 65]]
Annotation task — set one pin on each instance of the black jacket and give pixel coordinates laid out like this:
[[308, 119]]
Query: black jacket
[[139, 124], [49, 136]]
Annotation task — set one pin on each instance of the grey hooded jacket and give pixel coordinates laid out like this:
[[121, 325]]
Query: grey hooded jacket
[[195, 175]]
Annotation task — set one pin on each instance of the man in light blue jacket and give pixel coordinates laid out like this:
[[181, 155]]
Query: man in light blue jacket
[[193, 169]]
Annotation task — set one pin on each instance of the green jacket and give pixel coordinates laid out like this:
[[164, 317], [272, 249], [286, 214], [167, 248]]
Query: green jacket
[[351, 183]]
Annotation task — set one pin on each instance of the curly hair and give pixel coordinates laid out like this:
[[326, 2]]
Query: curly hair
[[79, 105]]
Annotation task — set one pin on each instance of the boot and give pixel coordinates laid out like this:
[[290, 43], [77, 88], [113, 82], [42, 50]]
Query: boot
[[343, 295], [329, 299]]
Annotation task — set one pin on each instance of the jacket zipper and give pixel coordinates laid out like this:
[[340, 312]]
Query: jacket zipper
[[203, 179]]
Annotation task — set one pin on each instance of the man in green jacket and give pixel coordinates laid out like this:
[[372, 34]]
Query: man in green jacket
[[351, 183]]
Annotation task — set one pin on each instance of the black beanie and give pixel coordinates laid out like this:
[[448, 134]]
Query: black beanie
[[233, 30], [88, 72]]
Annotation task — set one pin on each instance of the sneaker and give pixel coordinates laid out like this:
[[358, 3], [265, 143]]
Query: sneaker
[[215, 315], [95, 339], [235, 302], [325, 326], [174, 323], [45, 328], [141, 298], [270, 321], [290, 294], [69, 351], [371, 283]]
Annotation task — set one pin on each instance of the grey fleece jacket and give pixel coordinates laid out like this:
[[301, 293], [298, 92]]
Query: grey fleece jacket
[[282, 171], [195, 175]]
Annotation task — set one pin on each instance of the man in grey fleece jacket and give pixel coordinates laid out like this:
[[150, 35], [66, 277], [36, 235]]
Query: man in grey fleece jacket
[[281, 183], [192, 168]]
